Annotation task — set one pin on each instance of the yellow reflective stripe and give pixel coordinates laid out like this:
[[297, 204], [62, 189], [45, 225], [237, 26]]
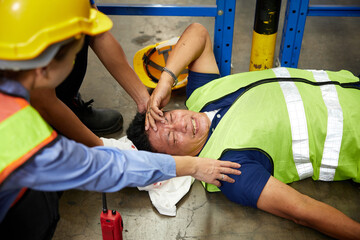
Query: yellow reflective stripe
[[18, 135]]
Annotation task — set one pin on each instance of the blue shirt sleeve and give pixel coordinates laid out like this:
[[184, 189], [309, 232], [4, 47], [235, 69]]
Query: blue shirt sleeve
[[196, 80], [66, 164], [70, 165], [256, 170]]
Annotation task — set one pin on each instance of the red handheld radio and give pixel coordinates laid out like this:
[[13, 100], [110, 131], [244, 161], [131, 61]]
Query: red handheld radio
[[111, 222]]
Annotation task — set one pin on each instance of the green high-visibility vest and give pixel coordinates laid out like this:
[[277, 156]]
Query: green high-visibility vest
[[306, 122], [22, 133]]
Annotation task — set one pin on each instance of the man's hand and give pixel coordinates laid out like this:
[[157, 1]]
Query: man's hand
[[206, 169], [158, 99], [211, 171]]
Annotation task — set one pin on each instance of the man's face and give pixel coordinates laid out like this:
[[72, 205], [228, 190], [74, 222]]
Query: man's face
[[184, 133]]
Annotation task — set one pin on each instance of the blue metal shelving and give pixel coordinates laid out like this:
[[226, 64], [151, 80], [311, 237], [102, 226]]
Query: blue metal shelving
[[294, 26], [223, 12]]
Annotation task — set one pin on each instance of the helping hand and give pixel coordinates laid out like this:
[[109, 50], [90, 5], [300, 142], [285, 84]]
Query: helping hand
[[211, 171], [158, 99]]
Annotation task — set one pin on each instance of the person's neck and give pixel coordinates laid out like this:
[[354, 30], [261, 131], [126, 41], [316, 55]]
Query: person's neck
[[27, 80]]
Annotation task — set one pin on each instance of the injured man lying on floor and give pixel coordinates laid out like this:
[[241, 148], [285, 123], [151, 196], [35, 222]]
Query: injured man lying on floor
[[282, 125]]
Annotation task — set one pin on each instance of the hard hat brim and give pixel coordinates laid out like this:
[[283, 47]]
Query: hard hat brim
[[40, 61], [97, 23], [102, 23]]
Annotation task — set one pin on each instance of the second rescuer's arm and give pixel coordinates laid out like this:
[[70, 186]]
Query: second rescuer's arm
[[66, 164], [111, 54], [57, 114], [282, 200], [193, 49]]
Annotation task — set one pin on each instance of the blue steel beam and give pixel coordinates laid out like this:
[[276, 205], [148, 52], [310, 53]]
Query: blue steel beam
[[333, 11], [158, 10], [293, 30], [294, 26], [223, 34]]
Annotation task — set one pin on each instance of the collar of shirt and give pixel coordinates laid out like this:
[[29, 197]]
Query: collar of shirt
[[215, 117], [14, 88], [211, 114]]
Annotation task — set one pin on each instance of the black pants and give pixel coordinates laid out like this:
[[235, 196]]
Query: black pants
[[69, 88], [34, 216]]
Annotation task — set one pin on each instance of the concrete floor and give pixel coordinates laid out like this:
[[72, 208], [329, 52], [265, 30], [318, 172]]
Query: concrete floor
[[329, 43]]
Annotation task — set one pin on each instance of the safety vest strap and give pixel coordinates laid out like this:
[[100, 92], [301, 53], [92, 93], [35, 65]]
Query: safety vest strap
[[22, 133], [221, 87], [19, 196]]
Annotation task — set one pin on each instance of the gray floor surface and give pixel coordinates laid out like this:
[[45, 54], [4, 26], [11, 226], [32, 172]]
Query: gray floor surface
[[331, 43]]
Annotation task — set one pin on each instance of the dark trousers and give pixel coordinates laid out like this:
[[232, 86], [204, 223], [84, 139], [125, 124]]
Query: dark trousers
[[34, 216], [69, 88]]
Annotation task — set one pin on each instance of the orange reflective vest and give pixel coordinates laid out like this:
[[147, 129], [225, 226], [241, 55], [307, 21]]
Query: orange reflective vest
[[23, 132]]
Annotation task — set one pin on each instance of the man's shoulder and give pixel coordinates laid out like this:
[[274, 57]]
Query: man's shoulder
[[249, 157]]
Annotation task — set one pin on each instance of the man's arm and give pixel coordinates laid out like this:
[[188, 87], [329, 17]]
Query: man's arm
[[193, 49], [282, 200], [56, 113], [68, 165], [111, 54]]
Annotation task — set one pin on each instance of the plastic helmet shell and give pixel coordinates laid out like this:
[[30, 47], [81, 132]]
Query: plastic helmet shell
[[30, 26], [149, 61]]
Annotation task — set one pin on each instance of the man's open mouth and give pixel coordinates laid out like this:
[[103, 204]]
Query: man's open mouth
[[194, 125]]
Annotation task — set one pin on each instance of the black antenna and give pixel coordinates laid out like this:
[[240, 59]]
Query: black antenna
[[104, 203]]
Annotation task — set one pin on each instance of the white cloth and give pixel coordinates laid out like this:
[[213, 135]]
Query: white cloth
[[123, 143], [164, 195]]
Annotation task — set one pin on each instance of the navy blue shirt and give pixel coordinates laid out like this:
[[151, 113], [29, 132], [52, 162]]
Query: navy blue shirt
[[256, 167]]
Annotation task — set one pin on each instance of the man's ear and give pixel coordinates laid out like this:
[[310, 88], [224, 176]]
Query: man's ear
[[41, 77], [42, 71]]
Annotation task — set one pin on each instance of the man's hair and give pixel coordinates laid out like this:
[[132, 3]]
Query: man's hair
[[136, 133]]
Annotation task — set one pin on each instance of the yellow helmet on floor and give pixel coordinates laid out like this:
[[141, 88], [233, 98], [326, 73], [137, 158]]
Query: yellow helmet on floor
[[150, 61], [28, 27]]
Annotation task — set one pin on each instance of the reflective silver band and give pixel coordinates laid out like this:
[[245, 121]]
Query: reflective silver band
[[330, 158], [299, 131]]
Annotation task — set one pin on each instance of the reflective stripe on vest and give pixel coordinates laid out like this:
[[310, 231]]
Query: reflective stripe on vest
[[334, 134], [22, 133], [299, 131]]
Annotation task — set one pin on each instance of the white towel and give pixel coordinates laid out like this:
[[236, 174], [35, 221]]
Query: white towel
[[164, 195], [123, 143]]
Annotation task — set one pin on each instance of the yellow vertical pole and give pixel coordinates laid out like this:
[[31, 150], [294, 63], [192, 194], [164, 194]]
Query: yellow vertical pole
[[264, 34]]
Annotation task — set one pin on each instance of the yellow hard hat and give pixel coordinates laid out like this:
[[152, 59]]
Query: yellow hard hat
[[28, 27], [150, 61]]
